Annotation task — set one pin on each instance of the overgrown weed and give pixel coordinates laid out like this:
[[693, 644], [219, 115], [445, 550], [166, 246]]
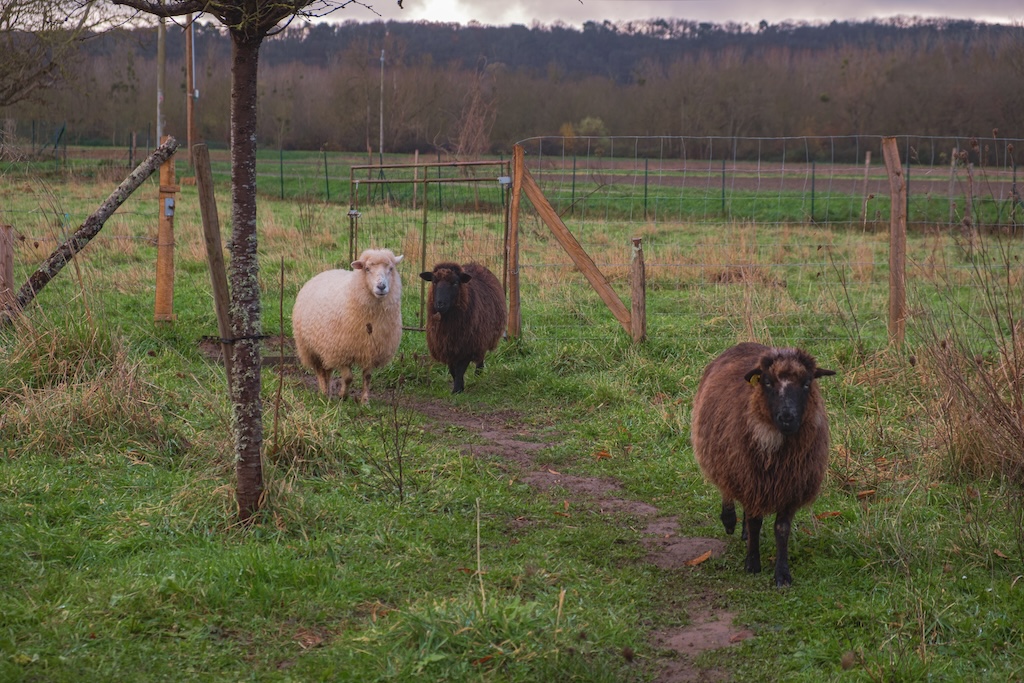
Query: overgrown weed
[[972, 349]]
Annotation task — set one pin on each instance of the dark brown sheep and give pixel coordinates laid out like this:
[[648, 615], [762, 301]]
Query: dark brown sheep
[[466, 317], [760, 434]]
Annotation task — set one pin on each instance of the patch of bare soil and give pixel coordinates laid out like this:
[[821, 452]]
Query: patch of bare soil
[[515, 449]]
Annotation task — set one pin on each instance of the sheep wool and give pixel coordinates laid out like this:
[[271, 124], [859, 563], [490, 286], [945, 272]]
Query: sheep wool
[[343, 318], [466, 318], [760, 434]]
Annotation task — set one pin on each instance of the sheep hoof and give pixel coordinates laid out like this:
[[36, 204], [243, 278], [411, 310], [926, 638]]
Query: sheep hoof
[[783, 579]]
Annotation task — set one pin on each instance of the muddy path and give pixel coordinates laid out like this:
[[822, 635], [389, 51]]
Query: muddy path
[[501, 438]]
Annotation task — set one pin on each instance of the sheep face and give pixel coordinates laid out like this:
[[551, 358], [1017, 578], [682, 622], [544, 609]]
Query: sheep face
[[446, 278], [379, 272], [785, 380]]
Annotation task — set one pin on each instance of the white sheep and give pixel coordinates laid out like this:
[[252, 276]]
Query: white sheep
[[352, 317]]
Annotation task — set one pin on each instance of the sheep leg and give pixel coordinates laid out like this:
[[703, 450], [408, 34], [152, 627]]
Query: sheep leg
[[366, 387], [728, 516], [323, 380], [346, 380], [458, 372], [783, 523], [752, 525]]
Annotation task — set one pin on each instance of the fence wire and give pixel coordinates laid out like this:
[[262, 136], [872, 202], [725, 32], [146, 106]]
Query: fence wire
[[784, 240]]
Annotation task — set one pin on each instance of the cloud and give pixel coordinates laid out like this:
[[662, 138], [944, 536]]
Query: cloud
[[576, 12]]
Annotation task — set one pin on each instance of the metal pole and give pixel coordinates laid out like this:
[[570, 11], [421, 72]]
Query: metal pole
[[190, 86], [723, 186], [572, 204], [380, 147], [812, 191], [161, 76], [645, 188], [327, 177]]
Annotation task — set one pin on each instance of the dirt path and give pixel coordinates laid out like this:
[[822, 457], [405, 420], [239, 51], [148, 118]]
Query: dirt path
[[515, 448]]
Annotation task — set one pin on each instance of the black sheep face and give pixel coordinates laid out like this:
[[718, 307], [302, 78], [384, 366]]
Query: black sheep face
[[786, 386], [445, 292]]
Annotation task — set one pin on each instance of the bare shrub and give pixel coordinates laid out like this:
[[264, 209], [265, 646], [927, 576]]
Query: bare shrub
[[972, 357], [392, 458]]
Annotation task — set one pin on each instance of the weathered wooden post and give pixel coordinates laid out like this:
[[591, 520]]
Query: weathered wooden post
[[897, 241], [638, 292], [515, 321], [214, 252], [164, 306]]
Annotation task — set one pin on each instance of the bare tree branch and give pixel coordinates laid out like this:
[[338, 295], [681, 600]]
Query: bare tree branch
[[39, 39], [255, 17], [89, 229]]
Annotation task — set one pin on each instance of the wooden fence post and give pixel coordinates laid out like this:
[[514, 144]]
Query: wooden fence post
[[6, 266], [897, 241], [164, 306], [214, 252], [638, 292], [515, 321]]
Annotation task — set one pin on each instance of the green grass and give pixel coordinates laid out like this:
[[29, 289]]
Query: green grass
[[602, 189], [121, 560]]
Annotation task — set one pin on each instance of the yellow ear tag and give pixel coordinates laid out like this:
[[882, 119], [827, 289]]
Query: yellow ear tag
[[755, 380]]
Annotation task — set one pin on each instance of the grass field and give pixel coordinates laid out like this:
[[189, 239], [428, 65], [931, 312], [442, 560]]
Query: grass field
[[587, 186], [536, 527]]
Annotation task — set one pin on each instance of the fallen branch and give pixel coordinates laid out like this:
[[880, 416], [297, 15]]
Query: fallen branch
[[90, 228]]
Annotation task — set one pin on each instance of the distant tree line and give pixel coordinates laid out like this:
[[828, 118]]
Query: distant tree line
[[468, 90]]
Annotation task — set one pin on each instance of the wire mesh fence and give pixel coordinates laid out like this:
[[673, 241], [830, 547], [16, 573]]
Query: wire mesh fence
[[783, 240], [780, 240]]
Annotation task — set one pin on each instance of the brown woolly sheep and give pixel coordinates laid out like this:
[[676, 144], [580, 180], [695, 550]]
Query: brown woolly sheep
[[760, 434], [467, 316]]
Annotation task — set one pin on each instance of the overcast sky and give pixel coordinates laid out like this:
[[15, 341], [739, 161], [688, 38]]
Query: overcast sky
[[575, 12]]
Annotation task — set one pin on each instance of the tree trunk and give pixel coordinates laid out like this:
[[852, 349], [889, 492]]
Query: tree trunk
[[245, 291]]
